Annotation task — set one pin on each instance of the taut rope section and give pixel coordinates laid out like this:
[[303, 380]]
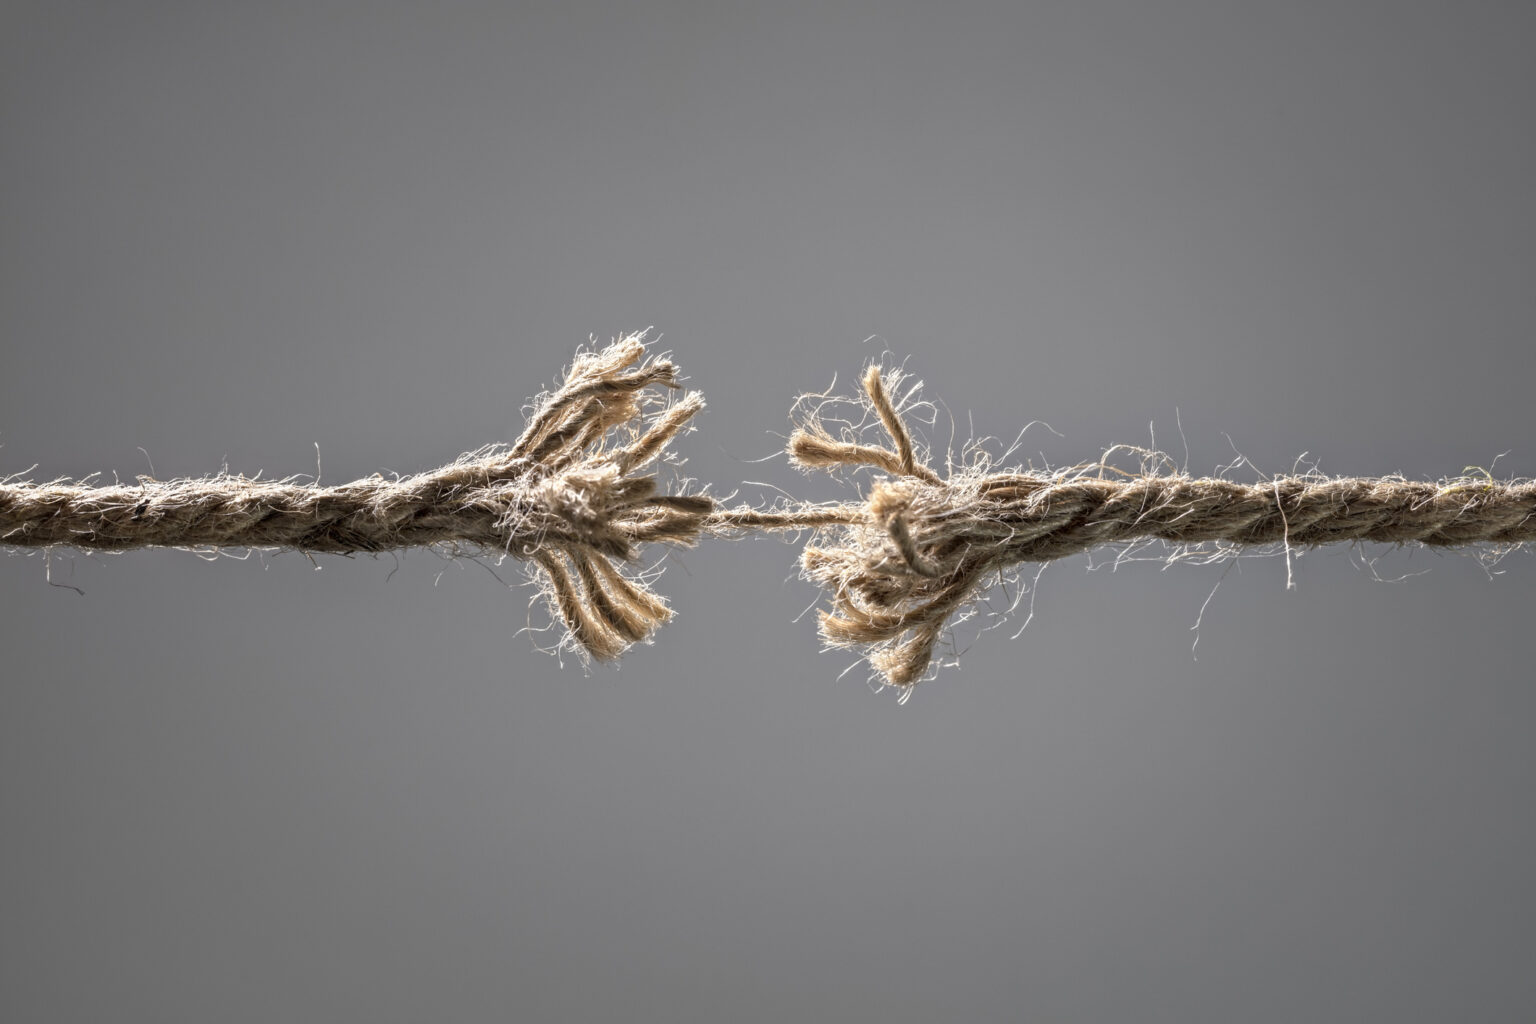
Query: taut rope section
[[569, 497]]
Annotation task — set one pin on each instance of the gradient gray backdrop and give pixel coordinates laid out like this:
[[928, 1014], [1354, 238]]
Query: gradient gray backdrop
[[251, 791]]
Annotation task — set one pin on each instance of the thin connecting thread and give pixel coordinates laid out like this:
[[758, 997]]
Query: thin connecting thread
[[569, 498]]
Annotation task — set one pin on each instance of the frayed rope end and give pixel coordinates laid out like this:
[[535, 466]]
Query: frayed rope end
[[892, 592], [590, 512], [572, 496]]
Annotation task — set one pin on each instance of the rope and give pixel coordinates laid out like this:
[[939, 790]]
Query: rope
[[564, 496], [923, 548], [569, 498]]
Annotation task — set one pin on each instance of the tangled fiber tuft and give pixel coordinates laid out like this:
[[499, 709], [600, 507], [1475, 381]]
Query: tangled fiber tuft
[[566, 496]]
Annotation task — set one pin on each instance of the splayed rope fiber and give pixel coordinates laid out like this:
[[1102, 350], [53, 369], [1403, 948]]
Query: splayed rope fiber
[[569, 497]]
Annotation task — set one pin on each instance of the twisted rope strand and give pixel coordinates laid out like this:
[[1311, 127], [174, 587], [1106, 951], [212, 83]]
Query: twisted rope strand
[[568, 498]]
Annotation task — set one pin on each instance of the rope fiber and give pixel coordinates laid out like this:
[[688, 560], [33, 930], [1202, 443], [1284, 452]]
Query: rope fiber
[[922, 548], [571, 498]]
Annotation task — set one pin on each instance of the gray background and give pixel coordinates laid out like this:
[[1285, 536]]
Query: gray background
[[250, 791]]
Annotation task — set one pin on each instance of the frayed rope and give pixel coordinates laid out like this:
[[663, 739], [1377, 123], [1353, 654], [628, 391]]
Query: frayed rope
[[569, 497], [922, 548]]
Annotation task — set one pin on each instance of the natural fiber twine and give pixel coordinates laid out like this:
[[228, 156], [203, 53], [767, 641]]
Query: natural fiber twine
[[570, 498], [567, 496], [922, 547]]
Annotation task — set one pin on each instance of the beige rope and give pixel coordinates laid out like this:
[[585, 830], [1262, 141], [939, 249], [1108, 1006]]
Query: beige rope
[[924, 547], [898, 565], [563, 496]]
